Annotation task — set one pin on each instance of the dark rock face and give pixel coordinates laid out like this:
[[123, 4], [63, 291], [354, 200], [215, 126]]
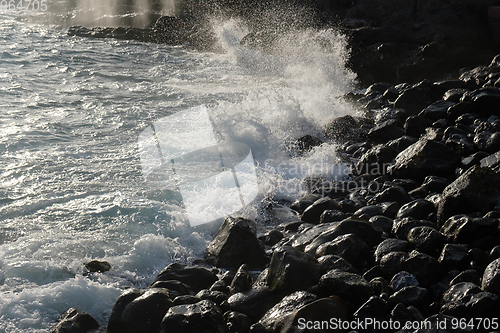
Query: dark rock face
[[385, 131], [411, 295], [98, 266], [312, 213], [453, 256], [203, 316], [176, 288], [352, 288], [418, 209], [75, 321], [341, 129], [330, 262], [478, 189], [242, 280], [320, 310], [196, 277], [237, 322], [291, 270], [491, 277], [285, 307], [477, 232], [425, 239], [139, 311], [425, 158], [349, 247], [236, 245], [403, 279], [390, 245], [254, 302]]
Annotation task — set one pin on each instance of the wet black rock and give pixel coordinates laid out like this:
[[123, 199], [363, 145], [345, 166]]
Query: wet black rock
[[254, 302], [75, 321], [491, 277], [237, 322], [186, 299], [390, 245], [401, 227], [217, 297], [403, 279], [307, 142], [349, 246], [285, 307], [291, 270], [477, 232], [469, 275], [242, 280], [374, 308], [330, 262], [175, 287], [382, 223], [478, 189], [491, 161], [352, 288], [312, 213], [386, 131], [98, 266], [411, 295], [393, 262], [202, 317], [391, 194], [425, 239], [425, 158], [323, 309], [415, 125], [138, 311], [426, 268], [417, 209], [196, 277], [455, 299], [301, 204], [453, 256], [332, 216], [436, 110], [414, 99], [364, 230], [439, 88], [272, 237], [235, 245], [341, 128]]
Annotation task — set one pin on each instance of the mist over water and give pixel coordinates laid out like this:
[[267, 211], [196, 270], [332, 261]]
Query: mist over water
[[71, 186]]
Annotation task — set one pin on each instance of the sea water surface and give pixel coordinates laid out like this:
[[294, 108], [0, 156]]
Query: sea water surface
[[71, 186]]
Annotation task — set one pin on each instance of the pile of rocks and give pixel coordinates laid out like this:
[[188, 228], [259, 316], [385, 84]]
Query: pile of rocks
[[417, 241]]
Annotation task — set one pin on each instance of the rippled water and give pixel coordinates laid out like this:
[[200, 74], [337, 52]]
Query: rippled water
[[71, 187]]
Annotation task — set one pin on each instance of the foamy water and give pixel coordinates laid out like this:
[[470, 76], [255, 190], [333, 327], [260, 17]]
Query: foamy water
[[71, 186]]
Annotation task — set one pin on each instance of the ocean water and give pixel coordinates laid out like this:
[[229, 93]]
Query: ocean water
[[71, 185]]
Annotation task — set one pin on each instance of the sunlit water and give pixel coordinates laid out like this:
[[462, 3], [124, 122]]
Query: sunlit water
[[71, 186]]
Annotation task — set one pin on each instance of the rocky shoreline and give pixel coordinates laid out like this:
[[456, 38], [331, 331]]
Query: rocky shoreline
[[415, 242]]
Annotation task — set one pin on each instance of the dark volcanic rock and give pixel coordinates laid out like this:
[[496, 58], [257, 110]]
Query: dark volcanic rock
[[403, 279], [138, 311], [389, 245], [175, 287], [364, 230], [352, 288], [478, 232], [418, 209], [436, 110], [75, 321], [425, 158], [235, 245], [242, 280], [291, 270], [415, 125], [301, 204], [285, 307], [237, 322], [414, 99], [98, 266], [312, 213], [453, 256], [348, 246], [254, 302], [478, 189], [341, 128], [386, 131], [332, 216], [330, 262], [323, 309], [202, 317], [374, 308], [401, 227], [425, 239], [491, 277], [411, 295], [196, 277]]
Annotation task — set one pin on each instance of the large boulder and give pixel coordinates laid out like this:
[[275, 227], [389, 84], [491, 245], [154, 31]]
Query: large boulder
[[235, 245], [291, 270], [202, 317], [139, 311], [478, 189], [196, 277], [423, 158], [75, 321]]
